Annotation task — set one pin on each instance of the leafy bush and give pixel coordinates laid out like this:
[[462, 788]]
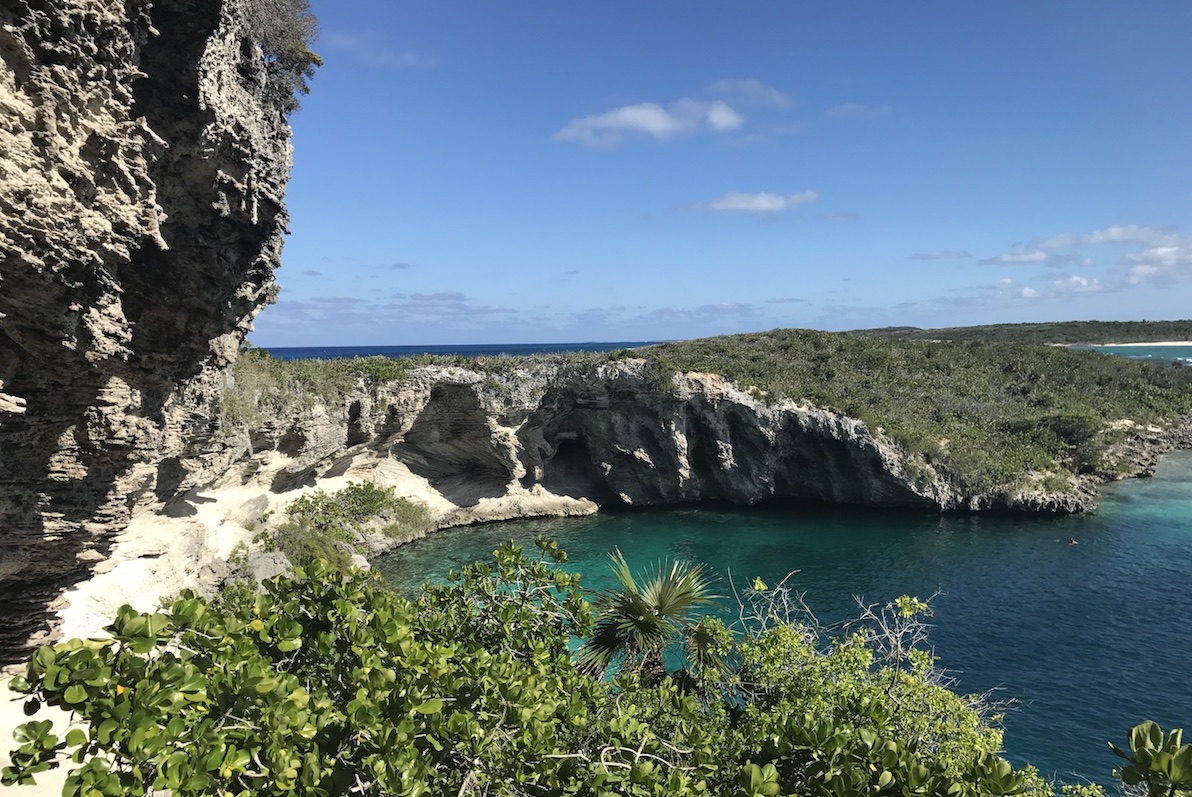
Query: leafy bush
[[264, 386], [1067, 332], [330, 684], [285, 31], [329, 526]]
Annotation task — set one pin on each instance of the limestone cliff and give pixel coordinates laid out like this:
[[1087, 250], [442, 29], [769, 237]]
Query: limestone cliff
[[143, 161], [558, 439]]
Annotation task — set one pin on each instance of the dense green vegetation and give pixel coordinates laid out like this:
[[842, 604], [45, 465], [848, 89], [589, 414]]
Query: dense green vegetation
[[330, 684], [1067, 332], [329, 526], [985, 413], [262, 386], [285, 30]]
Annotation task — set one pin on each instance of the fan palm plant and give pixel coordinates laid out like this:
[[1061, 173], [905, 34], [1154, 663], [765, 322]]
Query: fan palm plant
[[640, 619]]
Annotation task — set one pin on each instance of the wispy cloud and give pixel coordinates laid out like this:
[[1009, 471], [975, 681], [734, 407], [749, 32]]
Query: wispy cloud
[[608, 130], [940, 254], [1008, 290], [703, 312], [786, 300], [842, 217], [395, 267], [370, 47], [1018, 256], [750, 92], [765, 202], [857, 110], [310, 272], [1160, 255]]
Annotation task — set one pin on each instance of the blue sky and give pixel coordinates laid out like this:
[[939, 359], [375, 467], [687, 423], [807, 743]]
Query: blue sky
[[472, 172]]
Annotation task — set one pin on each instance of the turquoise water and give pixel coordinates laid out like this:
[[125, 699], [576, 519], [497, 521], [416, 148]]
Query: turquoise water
[[1088, 638], [1162, 354]]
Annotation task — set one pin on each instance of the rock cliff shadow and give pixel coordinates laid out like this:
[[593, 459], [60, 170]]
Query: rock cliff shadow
[[450, 444], [52, 526], [572, 471]]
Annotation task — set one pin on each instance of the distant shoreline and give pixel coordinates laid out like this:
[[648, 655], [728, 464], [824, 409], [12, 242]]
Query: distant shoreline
[[1132, 345]]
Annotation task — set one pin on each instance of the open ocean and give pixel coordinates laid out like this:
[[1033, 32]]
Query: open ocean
[[466, 350], [1157, 354]]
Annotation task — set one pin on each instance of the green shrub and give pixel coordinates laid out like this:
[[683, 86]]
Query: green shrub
[[285, 31], [329, 684], [329, 526], [264, 386]]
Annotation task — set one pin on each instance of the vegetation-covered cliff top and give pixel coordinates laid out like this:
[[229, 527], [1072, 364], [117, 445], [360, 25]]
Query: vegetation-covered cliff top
[[983, 414], [989, 411], [1067, 332]]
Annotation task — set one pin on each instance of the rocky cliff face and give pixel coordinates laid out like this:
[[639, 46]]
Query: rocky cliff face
[[489, 446], [142, 170]]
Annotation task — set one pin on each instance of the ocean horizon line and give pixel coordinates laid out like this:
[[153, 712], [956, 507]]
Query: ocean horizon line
[[450, 349]]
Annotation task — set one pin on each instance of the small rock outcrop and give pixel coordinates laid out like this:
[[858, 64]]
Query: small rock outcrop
[[143, 162]]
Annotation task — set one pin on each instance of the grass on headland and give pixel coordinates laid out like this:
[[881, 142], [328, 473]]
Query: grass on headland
[[262, 385]]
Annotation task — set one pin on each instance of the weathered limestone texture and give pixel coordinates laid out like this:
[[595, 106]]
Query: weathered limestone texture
[[142, 172]]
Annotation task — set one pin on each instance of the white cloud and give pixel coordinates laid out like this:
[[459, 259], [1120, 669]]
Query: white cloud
[[751, 92], [736, 202], [1073, 284], [857, 110], [1003, 291], [685, 116], [722, 118], [370, 48], [1017, 257], [1161, 263], [1143, 273]]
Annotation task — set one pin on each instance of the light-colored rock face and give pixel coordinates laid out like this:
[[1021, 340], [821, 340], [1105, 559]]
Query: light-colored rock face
[[477, 447], [142, 173]]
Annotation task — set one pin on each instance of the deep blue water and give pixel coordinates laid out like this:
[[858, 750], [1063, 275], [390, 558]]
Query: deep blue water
[[1089, 638], [466, 350]]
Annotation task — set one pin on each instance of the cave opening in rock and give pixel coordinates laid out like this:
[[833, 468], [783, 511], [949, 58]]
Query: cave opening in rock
[[450, 444], [571, 471]]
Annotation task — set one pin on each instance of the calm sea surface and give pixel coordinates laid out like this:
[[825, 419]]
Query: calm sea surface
[[1088, 638]]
